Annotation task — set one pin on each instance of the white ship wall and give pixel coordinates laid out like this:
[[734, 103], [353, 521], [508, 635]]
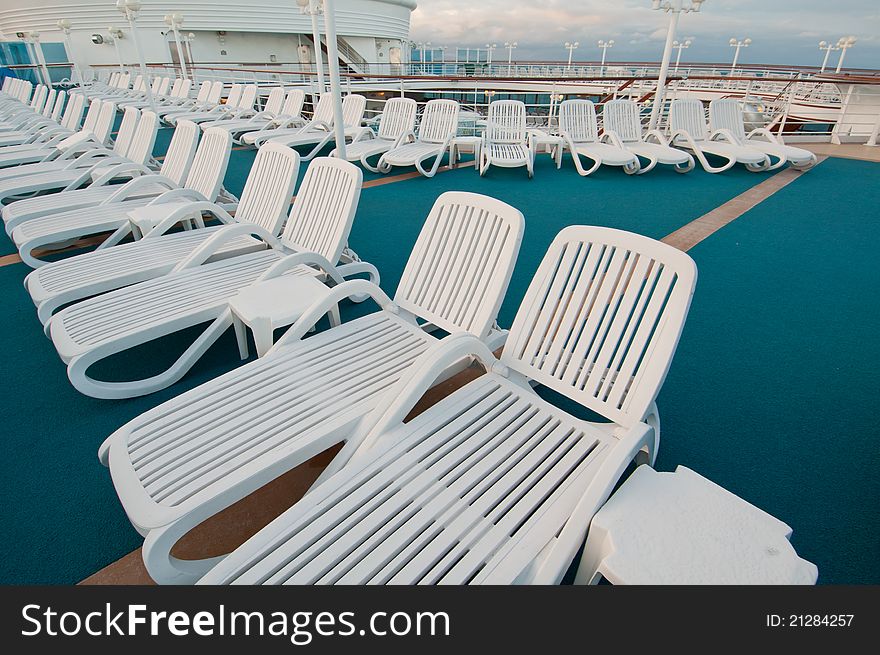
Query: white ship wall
[[254, 29]]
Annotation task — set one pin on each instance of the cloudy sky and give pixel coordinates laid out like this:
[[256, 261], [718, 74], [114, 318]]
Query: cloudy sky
[[782, 31]]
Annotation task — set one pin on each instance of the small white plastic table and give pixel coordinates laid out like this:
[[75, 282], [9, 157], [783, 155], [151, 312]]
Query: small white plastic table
[[548, 143], [464, 143], [680, 528], [266, 306], [143, 219]]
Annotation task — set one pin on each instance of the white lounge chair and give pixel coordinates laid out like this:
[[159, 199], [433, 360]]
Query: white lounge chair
[[173, 172], [494, 484], [47, 141], [726, 114], [203, 185], [505, 140], [240, 102], [317, 134], [579, 130], [197, 291], [208, 97], [55, 126], [322, 118], [159, 89], [62, 175], [271, 110], [192, 456], [623, 118], [397, 123], [687, 123], [438, 127]]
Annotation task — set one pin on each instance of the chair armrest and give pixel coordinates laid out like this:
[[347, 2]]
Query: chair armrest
[[133, 186], [178, 214], [119, 170], [764, 132], [656, 136], [614, 138], [224, 235], [306, 258], [724, 134]]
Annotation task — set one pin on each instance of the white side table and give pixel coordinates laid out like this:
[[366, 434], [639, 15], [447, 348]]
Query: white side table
[[466, 144], [266, 306], [143, 219], [680, 528], [544, 142]]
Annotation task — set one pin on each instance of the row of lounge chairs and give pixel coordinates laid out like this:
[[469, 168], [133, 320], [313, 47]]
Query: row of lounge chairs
[[493, 484]]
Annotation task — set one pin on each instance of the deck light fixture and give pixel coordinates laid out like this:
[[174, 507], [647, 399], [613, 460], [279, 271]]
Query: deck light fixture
[[827, 47], [490, 48], [64, 26], [734, 43], [116, 35], [312, 8], [33, 41], [604, 45], [674, 8], [845, 43], [511, 46], [174, 21], [130, 9], [571, 47], [680, 45]]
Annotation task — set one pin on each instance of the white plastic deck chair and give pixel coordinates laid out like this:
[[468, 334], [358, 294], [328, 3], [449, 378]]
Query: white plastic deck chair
[[687, 124], [506, 141], [38, 141], [726, 114], [271, 110], [172, 172], [289, 117], [317, 135], [438, 127], [623, 118], [494, 484], [396, 125], [191, 457], [239, 102], [579, 130], [195, 292], [322, 117], [202, 184], [204, 99]]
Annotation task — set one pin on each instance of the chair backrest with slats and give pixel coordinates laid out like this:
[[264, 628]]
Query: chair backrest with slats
[[91, 118], [275, 101], [577, 121], [398, 117], [689, 115], [127, 127], [39, 98], [215, 92], [162, 87], [324, 208], [323, 111], [104, 123], [144, 138], [49, 103], [24, 91], [211, 160], [624, 119], [439, 121], [353, 106], [602, 318], [58, 106], [234, 95], [139, 84], [293, 103], [459, 269], [181, 151], [727, 114], [506, 122], [183, 89], [247, 98], [123, 81], [269, 187], [204, 91], [73, 111], [175, 88]]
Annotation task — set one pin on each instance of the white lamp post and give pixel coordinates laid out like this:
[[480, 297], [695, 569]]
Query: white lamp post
[[674, 8], [130, 9], [335, 85], [490, 48], [116, 36], [571, 47], [174, 21], [845, 43], [827, 47], [680, 46], [34, 40], [189, 50], [510, 45], [734, 43], [313, 8], [64, 26], [604, 45]]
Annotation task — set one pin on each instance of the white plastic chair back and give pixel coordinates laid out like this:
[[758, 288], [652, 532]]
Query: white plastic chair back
[[58, 107], [577, 120], [688, 115], [181, 151], [293, 103], [183, 91], [601, 319], [234, 95], [215, 92], [139, 83], [24, 91], [398, 117], [727, 114], [269, 187], [175, 88], [462, 261], [439, 121], [8, 82], [127, 127], [162, 86], [113, 79], [204, 91], [39, 99], [144, 138], [73, 111], [353, 107], [123, 81], [506, 122], [92, 115], [275, 101], [49, 104], [210, 162], [104, 123], [324, 208], [247, 98], [323, 111], [624, 119]]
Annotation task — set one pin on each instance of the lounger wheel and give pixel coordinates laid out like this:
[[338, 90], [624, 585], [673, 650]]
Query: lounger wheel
[[631, 168], [686, 167]]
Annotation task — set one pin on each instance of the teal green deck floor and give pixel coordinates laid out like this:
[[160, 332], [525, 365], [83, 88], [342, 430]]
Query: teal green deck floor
[[770, 394]]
